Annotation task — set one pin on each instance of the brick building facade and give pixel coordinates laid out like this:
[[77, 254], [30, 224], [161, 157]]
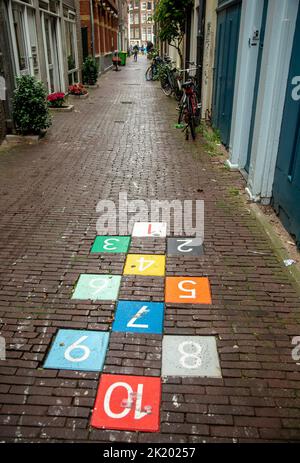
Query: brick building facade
[[141, 25], [99, 29]]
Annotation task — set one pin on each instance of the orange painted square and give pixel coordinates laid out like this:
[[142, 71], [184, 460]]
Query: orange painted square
[[178, 288]]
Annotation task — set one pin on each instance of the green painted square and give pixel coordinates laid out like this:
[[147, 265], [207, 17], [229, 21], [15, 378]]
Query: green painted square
[[112, 244], [97, 287]]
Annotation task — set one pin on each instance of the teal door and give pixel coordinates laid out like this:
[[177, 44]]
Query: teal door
[[286, 187], [228, 27]]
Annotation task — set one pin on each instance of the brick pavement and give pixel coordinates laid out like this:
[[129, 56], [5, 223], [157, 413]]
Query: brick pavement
[[48, 198]]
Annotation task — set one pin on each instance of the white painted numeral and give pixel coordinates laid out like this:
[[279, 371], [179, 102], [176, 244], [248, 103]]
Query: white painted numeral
[[132, 324], [184, 243], [98, 287], [138, 414], [190, 360], [109, 246], [296, 90], [77, 345], [192, 292], [145, 264]]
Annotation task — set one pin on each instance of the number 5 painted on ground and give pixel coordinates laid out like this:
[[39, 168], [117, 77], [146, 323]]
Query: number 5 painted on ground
[[191, 291]]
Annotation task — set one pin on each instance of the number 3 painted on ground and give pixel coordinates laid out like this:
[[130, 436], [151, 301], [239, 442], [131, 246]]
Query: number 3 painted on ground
[[77, 345], [109, 246]]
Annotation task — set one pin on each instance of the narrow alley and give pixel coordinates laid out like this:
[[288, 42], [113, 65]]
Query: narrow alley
[[123, 139]]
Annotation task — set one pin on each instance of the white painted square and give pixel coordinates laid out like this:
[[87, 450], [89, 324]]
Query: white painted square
[[150, 229], [190, 356]]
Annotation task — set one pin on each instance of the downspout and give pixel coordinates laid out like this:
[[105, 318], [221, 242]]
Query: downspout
[[92, 28], [200, 43]]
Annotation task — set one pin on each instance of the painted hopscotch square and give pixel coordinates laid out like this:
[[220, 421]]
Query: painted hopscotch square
[[111, 244], [97, 287], [185, 246], [190, 356], [78, 350], [127, 403], [150, 229], [139, 317], [188, 290], [145, 264]]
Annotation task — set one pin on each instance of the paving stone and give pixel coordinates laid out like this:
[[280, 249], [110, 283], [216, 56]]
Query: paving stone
[[97, 287], [78, 350], [185, 246], [190, 356], [145, 264], [111, 244], [48, 223], [139, 317]]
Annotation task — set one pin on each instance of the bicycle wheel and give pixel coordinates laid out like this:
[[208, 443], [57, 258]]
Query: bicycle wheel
[[149, 73], [192, 127], [166, 86]]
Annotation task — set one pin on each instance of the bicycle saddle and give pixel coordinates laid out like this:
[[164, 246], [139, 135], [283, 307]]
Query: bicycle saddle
[[188, 84]]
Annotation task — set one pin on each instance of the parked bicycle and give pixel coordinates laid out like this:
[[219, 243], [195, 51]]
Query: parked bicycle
[[189, 109], [170, 80], [152, 72]]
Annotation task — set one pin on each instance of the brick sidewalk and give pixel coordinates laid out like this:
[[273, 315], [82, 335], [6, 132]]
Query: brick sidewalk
[[48, 198]]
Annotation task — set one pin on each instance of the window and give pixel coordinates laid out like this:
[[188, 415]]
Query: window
[[144, 17], [144, 5], [149, 7], [71, 52], [131, 18], [136, 18], [24, 38]]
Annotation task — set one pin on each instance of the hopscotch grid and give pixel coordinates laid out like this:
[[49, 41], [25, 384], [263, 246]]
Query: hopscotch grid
[[164, 303]]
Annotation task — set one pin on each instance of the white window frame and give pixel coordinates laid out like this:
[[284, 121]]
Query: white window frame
[[30, 68]]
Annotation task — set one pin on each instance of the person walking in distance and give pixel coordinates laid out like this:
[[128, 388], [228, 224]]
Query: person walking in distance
[[135, 51]]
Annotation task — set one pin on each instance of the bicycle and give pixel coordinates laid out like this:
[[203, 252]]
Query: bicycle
[[190, 109], [152, 72], [170, 81]]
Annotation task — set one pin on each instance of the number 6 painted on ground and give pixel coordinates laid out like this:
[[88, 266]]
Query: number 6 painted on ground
[[77, 345]]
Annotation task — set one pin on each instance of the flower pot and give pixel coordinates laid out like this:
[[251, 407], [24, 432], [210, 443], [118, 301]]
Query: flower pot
[[76, 97], [64, 109], [13, 139]]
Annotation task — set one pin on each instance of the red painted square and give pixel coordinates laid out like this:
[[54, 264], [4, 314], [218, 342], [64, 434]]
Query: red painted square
[[129, 403]]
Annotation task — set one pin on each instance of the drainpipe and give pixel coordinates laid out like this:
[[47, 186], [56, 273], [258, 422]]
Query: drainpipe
[[200, 43], [92, 28]]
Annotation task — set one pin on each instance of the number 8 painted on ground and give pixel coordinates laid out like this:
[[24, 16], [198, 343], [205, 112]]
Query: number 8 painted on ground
[[77, 345], [197, 362]]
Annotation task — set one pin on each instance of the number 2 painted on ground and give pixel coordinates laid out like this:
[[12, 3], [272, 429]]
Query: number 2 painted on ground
[[184, 243]]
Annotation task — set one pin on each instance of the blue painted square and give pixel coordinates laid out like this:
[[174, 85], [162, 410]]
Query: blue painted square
[[78, 350], [139, 317]]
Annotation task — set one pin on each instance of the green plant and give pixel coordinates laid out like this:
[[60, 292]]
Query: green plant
[[90, 71], [30, 108], [56, 100], [170, 16]]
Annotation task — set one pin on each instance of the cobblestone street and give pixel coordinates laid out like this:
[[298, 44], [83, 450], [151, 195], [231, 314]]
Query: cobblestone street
[[122, 139]]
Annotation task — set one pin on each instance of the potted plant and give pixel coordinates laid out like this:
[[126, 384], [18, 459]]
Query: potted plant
[[78, 91], [30, 110], [57, 102], [90, 71]]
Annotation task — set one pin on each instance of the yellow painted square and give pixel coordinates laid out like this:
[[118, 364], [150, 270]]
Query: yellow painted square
[[145, 264]]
